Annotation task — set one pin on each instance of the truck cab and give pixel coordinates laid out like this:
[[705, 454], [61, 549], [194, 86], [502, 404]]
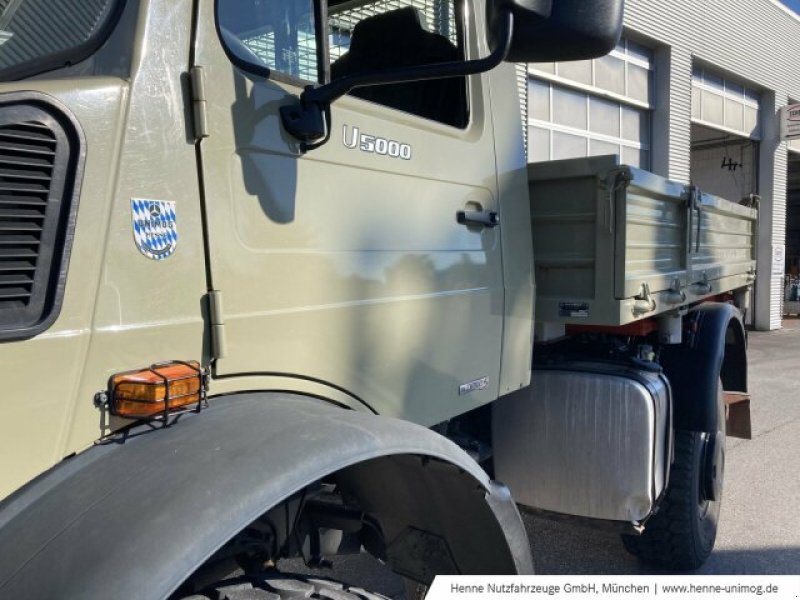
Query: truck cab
[[267, 291]]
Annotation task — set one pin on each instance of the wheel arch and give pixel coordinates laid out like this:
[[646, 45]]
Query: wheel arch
[[133, 517], [714, 348]]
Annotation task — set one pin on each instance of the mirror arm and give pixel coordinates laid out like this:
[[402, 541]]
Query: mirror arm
[[309, 119], [331, 92]]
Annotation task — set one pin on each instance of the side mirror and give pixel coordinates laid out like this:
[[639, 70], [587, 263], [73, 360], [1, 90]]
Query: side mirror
[[519, 31], [556, 30]]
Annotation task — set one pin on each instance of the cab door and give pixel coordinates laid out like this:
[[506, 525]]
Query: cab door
[[346, 265]]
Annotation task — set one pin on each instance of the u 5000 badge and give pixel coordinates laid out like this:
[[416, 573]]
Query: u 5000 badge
[[373, 144]]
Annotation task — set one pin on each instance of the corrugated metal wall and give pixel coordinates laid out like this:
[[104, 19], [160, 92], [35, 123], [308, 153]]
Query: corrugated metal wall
[[666, 25], [522, 90], [757, 41]]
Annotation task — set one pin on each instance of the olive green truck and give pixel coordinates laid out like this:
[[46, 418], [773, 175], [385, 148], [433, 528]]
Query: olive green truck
[[277, 283]]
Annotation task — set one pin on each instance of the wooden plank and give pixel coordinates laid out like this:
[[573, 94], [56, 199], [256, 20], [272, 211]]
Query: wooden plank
[[737, 415]]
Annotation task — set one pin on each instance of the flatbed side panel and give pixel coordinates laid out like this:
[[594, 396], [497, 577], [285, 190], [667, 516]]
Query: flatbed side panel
[[614, 244], [725, 242], [651, 241], [564, 217]]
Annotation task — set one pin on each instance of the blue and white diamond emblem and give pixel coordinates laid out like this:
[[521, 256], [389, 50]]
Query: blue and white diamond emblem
[[155, 227]]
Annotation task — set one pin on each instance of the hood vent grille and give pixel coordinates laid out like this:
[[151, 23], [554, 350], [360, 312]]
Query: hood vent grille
[[38, 164], [27, 154]]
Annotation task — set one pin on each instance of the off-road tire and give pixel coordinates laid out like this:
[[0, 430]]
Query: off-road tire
[[415, 591], [282, 586], [681, 535]]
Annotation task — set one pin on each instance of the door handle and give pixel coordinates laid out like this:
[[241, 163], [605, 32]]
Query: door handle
[[487, 218]]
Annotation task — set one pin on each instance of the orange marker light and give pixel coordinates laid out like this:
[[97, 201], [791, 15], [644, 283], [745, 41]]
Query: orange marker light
[[158, 390]]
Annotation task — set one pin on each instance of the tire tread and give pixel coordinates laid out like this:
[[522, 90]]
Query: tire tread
[[281, 586], [669, 537]]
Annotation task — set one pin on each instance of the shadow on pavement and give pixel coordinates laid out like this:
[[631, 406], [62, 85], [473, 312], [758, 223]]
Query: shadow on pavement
[[566, 549]]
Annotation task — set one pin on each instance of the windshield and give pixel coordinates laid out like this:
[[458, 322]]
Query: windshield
[[40, 35]]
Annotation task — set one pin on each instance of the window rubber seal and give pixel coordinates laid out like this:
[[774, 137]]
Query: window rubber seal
[[72, 56]]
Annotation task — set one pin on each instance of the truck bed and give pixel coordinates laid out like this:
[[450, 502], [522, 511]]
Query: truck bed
[[614, 244]]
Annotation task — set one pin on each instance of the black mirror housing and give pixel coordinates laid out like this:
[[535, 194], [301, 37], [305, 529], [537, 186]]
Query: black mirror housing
[[564, 30]]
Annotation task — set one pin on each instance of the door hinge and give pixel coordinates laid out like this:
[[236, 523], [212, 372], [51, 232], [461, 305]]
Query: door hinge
[[199, 104], [217, 324]]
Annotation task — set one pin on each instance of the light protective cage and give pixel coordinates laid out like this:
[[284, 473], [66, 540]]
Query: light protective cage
[[159, 392]]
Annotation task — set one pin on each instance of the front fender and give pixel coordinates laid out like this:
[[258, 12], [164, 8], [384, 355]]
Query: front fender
[[132, 518]]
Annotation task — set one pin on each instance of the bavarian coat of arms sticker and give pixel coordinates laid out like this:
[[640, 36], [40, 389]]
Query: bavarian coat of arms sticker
[[155, 227]]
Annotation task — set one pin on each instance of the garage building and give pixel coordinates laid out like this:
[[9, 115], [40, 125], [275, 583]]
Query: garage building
[[695, 91]]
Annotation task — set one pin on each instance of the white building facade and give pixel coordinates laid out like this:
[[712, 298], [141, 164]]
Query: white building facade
[[692, 92]]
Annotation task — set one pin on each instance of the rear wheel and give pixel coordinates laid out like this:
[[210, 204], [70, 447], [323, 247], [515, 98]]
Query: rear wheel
[[681, 535]]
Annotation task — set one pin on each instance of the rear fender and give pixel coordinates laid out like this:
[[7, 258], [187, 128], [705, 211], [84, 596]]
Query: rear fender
[[134, 517], [714, 348]]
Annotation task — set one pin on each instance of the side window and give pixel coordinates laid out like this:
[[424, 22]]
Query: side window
[[270, 37], [382, 34], [279, 39]]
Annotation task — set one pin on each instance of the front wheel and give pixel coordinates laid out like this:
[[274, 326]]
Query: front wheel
[[281, 586], [681, 535]]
